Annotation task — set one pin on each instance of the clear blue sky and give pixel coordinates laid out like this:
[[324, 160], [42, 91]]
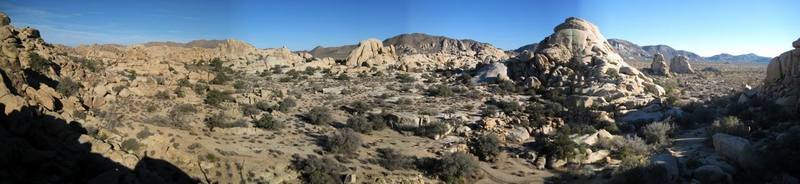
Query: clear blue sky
[[707, 27]]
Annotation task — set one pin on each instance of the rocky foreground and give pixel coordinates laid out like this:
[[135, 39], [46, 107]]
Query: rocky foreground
[[413, 108]]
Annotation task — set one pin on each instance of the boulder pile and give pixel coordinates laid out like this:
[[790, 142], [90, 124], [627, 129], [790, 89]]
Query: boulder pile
[[659, 67], [579, 61]]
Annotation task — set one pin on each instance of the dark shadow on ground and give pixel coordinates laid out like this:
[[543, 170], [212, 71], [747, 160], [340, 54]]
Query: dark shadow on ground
[[38, 148]]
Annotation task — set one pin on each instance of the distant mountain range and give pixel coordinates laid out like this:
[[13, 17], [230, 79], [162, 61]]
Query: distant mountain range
[[412, 43], [631, 51]]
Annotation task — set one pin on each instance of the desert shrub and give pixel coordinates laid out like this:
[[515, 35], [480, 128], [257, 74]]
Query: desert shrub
[[310, 70], [319, 170], [162, 95], [38, 63], [359, 124], [344, 141], [630, 147], [319, 116], [432, 130], [250, 110], [406, 78], [68, 87], [92, 65], [200, 88], [729, 125], [506, 86], [658, 132], [698, 114], [360, 107], [378, 121], [486, 147], [391, 159], [130, 145], [440, 90], [508, 107], [215, 97], [184, 82], [343, 77], [264, 106], [180, 112], [144, 134], [457, 167], [405, 101], [241, 85], [222, 121], [220, 78], [562, 147], [286, 104], [268, 122]]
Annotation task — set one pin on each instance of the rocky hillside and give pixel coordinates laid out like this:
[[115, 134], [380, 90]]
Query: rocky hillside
[[738, 58], [782, 80], [629, 50], [529, 48], [670, 53], [422, 45]]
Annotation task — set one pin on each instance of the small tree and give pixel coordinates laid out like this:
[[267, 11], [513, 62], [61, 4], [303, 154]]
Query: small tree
[[391, 159], [68, 87], [345, 141], [287, 104], [359, 124], [486, 147], [39, 63], [658, 132], [319, 170], [456, 167], [267, 122], [215, 97], [319, 116]]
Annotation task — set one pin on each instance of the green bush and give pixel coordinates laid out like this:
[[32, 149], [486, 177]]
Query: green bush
[[286, 104], [360, 107], [215, 97], [38, 63], [130, 145], [486, 147], [562, 147], [162, 95], [250, 110], [200, 88], [359, 124], [391, 159], [432, 130], [343, 77], [222, 121], [68, 87], [319, 116], [457, 167], [440, 91], [184, 83], [220, 78], [316, 170], [508, 107], [406, 78], [264, 106], [657, 133], [267, 122], [729, 125], [344, 141], [241, 85]]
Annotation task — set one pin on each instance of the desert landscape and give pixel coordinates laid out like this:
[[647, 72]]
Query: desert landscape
[[575, 107]]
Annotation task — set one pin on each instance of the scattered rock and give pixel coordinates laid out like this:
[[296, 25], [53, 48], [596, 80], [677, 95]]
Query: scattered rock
[[667, 164], [517, 134]]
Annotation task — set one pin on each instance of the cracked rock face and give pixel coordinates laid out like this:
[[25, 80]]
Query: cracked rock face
[[783, 78], [577, 59], [659, 66]]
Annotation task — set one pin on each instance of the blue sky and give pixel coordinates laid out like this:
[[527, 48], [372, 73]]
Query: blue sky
[[706, 27]]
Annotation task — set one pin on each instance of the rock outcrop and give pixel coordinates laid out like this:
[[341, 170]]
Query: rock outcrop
[[578, 58], [371, 52], [659, 66], [783, 78], [680, 64], [491, 73]]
